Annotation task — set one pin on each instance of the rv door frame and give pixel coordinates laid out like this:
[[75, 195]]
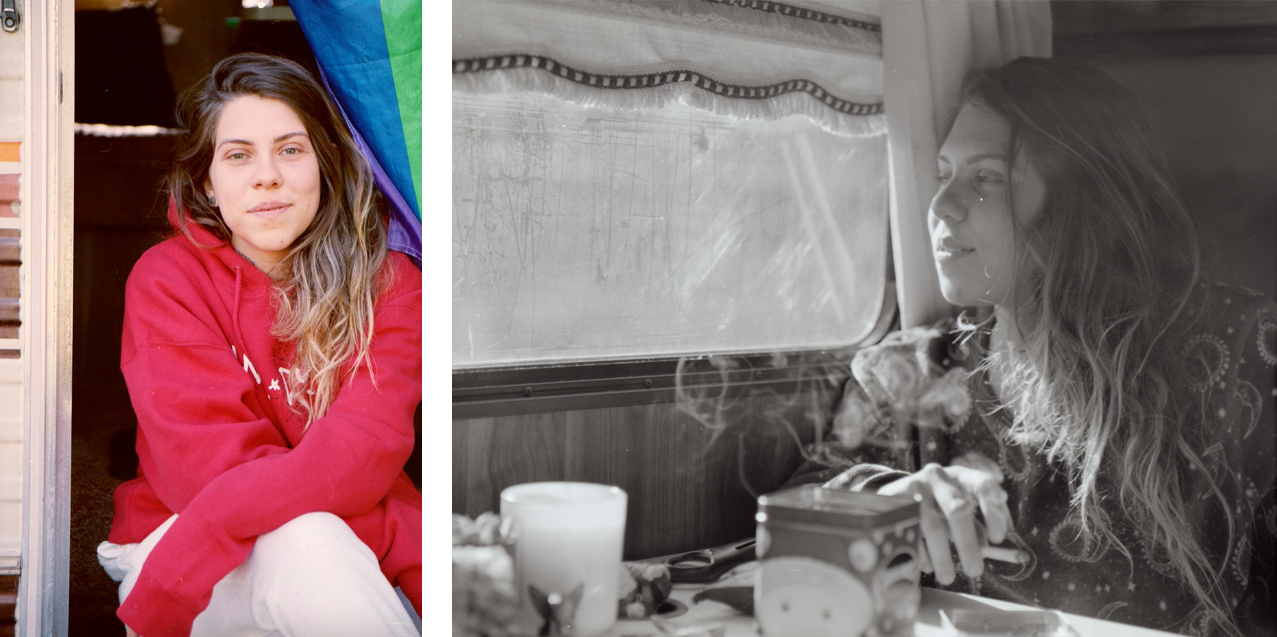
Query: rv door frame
[[47, 242]]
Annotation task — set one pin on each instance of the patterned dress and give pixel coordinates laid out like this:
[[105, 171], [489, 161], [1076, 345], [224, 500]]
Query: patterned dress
[[1128, 581]]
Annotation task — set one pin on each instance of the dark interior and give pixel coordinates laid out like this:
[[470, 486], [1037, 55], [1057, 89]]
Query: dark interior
[[1203, 73], [125, 75]]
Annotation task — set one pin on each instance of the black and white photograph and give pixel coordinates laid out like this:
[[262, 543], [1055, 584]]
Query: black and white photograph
[[863, 317]]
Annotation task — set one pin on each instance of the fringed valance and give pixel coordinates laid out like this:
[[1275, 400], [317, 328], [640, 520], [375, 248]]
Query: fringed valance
[[749, 59]]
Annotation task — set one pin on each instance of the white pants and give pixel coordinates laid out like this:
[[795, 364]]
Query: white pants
[[310, 577]]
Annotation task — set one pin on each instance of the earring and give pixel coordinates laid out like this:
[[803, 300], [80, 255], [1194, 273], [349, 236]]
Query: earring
[[212, 201]]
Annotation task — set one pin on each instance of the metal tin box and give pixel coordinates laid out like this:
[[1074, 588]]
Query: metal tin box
[[836, 563]]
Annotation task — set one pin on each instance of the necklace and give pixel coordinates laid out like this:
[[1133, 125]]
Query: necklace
[[254, 263], [1001, 350], [244, 255]]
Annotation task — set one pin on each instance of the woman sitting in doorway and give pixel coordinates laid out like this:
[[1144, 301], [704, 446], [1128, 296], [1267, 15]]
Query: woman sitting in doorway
[[1115, 398], [272, 350]]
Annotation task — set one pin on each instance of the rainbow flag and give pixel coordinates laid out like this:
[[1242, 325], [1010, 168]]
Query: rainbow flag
[[369, 54]]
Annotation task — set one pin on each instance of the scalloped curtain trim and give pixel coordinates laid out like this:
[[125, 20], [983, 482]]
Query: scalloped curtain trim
[[516, 73], [641, 36]]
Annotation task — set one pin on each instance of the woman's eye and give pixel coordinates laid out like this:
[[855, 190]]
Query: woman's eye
[[292, 151], [237, 156], [943, 177], [986, 177]]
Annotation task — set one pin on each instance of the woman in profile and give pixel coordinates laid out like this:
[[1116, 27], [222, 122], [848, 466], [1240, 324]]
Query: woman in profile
[[1113, 421], [272, 350]]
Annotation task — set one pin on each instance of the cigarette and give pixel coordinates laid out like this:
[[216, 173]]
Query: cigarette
[[1004, 555]]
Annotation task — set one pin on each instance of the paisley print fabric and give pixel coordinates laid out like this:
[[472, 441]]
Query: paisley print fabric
[[1129, 580]]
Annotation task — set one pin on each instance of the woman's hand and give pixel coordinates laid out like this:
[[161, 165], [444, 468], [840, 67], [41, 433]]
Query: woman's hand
[[949, 498]]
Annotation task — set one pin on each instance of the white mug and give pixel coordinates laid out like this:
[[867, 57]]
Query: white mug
[[568, 539]]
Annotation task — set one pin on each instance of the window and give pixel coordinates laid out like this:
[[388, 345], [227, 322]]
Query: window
[[592, 234]]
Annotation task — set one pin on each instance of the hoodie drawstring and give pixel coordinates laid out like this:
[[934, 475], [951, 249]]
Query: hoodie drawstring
[[239, 277], [248, 365]]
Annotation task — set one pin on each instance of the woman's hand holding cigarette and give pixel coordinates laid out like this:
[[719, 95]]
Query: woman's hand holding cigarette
[[999, 553], [948, 500]]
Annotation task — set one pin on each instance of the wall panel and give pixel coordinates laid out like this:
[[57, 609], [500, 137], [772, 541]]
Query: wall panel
[[14, 190], [690, 485], [10, 503]]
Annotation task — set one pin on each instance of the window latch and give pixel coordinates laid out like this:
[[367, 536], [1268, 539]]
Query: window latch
[[9, 16]]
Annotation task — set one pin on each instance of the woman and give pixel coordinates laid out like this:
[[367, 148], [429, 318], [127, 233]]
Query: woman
[[272, 350], [1113, 435]]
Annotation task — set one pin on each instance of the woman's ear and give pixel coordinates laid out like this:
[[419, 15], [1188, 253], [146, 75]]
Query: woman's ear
[[208, 193]]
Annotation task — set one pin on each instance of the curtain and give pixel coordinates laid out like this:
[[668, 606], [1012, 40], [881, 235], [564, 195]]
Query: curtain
[[748, 59], [928, 47], [369, 55]]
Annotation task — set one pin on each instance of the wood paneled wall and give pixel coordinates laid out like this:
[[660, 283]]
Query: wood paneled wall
[[8, 604], [14, 191], [690, 486], [10, 286]]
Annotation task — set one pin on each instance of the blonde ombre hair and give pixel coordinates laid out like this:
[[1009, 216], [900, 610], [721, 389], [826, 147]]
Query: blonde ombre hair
[[1104, 274], [334, 270]]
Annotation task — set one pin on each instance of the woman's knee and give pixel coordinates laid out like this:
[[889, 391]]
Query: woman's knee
[[311, 537], [309, 527]]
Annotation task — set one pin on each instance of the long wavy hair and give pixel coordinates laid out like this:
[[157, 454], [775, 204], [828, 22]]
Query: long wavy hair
[[1104, 274], [332, 280]]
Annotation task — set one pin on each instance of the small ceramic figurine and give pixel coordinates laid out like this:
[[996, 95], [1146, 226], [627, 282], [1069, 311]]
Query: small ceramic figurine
[[558, 611]]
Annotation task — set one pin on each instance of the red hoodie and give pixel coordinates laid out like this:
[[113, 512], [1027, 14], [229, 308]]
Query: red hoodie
[[219, 444]]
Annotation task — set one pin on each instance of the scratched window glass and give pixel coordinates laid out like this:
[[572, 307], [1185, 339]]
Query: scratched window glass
[[600, 234]]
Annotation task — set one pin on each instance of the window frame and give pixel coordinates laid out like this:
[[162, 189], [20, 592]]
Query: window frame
[[490, 392]]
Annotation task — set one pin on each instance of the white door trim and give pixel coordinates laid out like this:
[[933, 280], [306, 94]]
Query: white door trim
[[47, 235]]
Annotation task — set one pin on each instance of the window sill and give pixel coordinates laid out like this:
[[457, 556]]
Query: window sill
[[513, 391]]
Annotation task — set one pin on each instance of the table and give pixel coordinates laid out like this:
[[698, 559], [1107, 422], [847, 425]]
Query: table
[[928, 622]]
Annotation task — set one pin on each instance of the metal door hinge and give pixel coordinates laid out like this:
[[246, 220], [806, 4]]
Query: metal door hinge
[[9, 15]]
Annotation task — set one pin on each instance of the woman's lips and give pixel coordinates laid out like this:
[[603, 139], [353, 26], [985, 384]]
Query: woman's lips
[[949, 254], [269, 210], [948, 249]]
